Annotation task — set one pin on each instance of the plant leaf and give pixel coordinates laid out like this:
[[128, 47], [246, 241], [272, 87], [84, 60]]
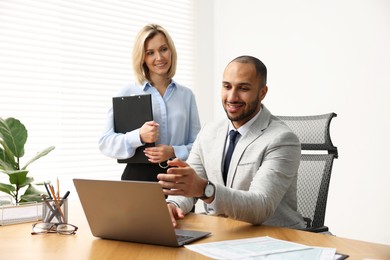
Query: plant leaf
[[7, 159], [18, 178], [30, 197], [7, 188], [31, 194], [29, 180], [14, 135], [39, 155]]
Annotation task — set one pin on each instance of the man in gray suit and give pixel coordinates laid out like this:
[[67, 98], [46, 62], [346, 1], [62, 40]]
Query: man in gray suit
[[260, 180]]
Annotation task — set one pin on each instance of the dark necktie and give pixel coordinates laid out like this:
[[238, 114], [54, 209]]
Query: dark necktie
[[232, 143]]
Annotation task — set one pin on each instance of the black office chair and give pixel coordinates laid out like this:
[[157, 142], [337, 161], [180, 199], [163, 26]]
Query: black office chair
[[315, 168]]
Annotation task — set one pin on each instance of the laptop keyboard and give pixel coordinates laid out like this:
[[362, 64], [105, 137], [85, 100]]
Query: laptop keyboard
[[181, 238]]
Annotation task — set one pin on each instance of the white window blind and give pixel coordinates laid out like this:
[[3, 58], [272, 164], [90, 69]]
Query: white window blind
[[61, 61]]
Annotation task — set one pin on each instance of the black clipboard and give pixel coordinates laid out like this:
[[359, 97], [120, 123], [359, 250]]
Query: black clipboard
[[130, 113]]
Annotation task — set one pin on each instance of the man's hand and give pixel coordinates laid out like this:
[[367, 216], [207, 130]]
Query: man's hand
[[149, 132], [159, 153], [175, 212], [181, 180]]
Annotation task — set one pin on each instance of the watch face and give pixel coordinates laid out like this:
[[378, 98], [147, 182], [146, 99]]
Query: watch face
[[209, 190]]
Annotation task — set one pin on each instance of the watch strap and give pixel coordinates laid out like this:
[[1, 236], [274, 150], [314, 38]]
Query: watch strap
[[204, 191]]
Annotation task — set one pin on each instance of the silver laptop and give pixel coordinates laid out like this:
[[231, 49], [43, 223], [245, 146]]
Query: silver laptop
[[130, 211]]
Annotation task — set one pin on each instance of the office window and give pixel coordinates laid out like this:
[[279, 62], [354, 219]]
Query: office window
[[61, 61]]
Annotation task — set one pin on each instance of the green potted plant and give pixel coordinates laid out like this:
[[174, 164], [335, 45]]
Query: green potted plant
[[13, 137]]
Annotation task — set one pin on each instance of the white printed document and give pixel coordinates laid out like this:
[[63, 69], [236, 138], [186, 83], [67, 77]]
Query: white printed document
[[261, 248]]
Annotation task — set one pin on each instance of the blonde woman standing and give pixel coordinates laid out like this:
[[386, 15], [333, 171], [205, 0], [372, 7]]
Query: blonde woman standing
[[176, 120]]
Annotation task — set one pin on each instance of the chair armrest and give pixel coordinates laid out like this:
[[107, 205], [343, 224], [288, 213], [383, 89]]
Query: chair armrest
[[323, 229]]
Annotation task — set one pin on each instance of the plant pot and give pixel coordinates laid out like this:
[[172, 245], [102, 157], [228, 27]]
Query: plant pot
[[20, 213]]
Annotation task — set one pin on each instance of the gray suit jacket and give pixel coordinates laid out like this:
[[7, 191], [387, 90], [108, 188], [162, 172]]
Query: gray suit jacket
[[262, 179]]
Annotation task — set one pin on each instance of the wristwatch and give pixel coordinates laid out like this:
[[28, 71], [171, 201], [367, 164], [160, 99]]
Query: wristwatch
[[209, 191]]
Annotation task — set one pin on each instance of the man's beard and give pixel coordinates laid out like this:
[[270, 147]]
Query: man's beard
[[246, 114]]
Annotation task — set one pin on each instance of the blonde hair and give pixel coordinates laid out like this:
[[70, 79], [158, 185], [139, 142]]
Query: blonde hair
[[141, 71]]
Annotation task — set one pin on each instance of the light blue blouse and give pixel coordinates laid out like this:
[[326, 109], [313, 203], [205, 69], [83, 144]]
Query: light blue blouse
[[176, 112]]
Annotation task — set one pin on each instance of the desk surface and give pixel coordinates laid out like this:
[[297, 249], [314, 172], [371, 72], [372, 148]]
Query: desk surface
[[17, 243]]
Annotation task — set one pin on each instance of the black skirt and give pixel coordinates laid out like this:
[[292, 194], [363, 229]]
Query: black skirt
[[143, 171]]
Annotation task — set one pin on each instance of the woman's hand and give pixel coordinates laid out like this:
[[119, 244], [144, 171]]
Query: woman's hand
[[149, 132], [159, 153]]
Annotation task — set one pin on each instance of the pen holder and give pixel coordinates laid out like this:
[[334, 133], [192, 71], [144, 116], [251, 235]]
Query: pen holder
[[51, 214]]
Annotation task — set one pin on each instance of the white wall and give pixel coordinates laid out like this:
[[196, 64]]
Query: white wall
[[322, 56]]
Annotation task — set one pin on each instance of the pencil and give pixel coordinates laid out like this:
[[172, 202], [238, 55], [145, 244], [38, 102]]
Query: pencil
[[58, 189], [57, 202], [61, 202], [48, 217]]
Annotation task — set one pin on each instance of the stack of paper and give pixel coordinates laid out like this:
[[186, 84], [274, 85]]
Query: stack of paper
[[262, 248]]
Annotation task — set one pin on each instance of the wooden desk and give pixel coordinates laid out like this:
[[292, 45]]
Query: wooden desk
[[17, 243]]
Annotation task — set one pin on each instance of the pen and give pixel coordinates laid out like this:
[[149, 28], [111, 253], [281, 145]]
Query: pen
[[53, 212], [47, 189], [65, 196], [56, 202], [61, 202]]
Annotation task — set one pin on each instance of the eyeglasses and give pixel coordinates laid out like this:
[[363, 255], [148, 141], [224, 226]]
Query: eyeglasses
[[60, 228]]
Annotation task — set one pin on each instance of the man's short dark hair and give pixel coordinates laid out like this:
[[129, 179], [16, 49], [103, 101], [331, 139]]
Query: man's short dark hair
[[261, 69]]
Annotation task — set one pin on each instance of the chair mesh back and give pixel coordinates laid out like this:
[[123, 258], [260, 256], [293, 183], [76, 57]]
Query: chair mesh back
[[316, 164], [313, 179], [312, 131]]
